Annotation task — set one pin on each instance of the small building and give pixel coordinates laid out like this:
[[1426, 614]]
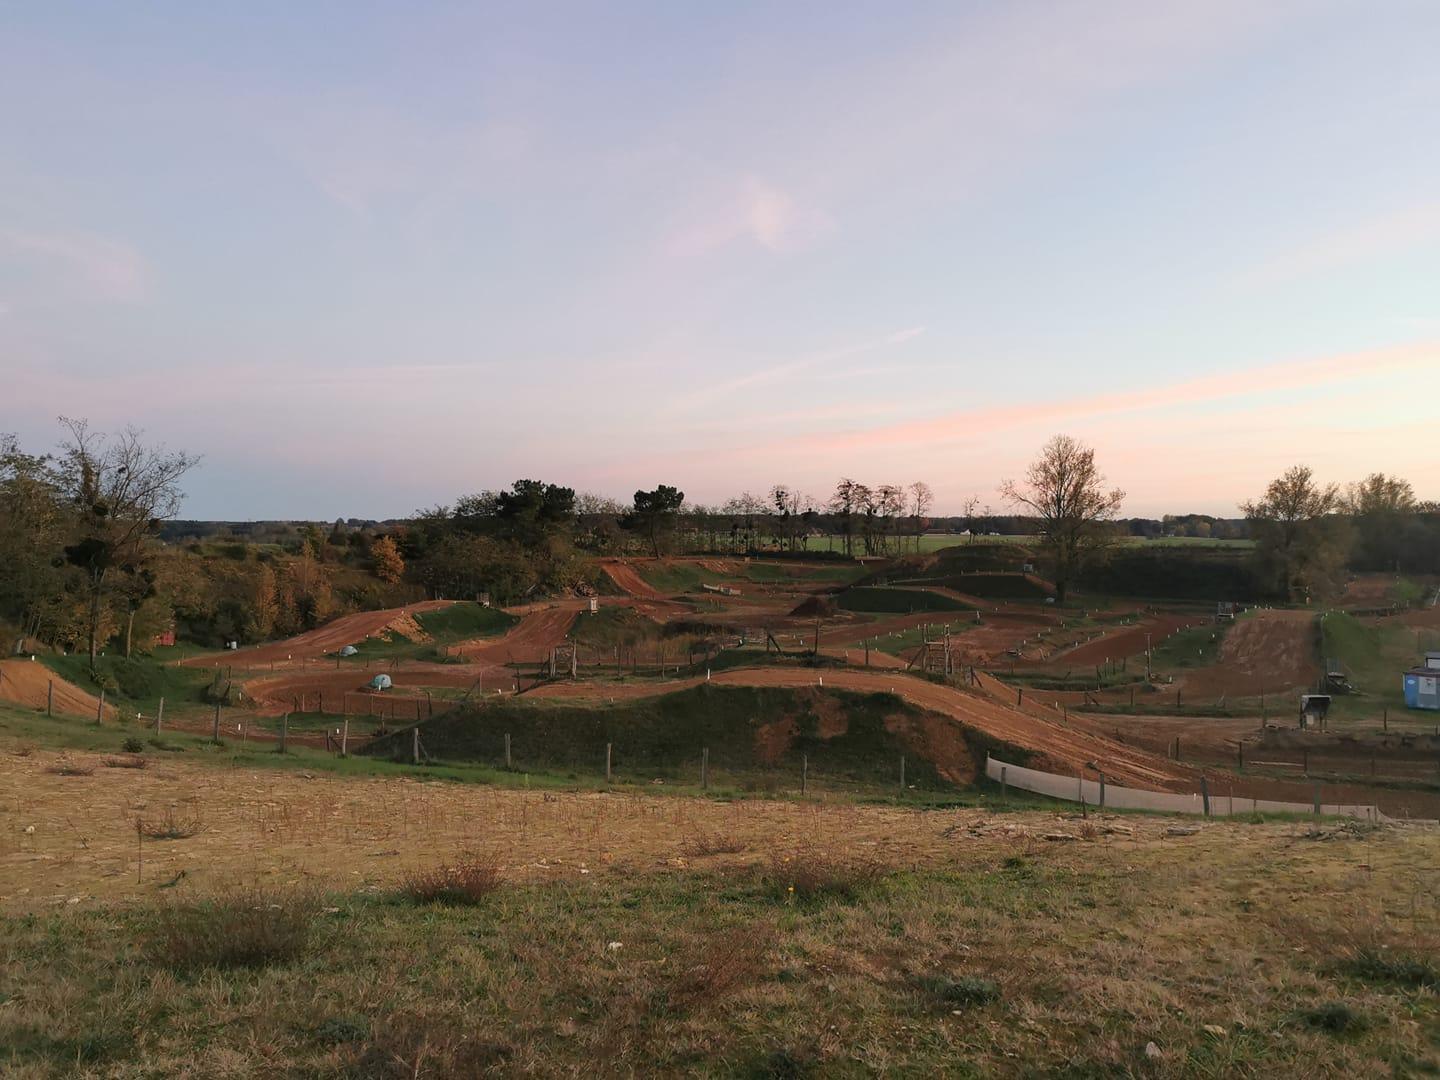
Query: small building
[[1422, 684], [1313, 710]]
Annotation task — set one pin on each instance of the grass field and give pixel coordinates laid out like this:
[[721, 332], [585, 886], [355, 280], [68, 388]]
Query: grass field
[[930, 542], [284, 930], [1374, 653], [134, 685]]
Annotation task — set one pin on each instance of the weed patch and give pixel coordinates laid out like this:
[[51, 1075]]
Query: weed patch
[[247, 928], [809, 876], [170, 826], [466, 882]]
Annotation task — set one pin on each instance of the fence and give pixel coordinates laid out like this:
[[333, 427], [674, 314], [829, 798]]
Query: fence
[[1098, 793]]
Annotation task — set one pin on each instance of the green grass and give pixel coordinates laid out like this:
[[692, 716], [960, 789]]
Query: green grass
[[672, 578], [1196, 647], [611, 626], [137, 684], [1374, 653], [771, 573], [876, 598], [465, 621]]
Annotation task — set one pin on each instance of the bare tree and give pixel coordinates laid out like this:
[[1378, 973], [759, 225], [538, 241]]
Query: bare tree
[[1067, 496], [890, 499], [121, 490], [921, 499], [1297, 545]]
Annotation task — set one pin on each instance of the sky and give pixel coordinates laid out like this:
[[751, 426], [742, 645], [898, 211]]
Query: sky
[[366, 258]]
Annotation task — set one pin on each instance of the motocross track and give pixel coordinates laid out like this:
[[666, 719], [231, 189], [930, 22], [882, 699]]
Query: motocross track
[[346, 630], [628, 578], [1266, 652], [1124, 641], [26, 683]]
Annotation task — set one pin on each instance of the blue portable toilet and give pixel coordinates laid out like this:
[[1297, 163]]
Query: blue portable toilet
[[1422, 684]]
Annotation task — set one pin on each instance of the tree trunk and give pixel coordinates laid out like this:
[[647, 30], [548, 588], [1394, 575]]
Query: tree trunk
[[129, 631], [93, 630]]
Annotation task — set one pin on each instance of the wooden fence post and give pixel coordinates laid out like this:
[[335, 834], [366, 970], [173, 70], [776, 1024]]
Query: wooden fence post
[[1004, 788], [415, 745], [50, 699], [100, 709], [1205, 794], [804, 772], [902, 774], [345, 737], [215, 731], [705, 769], [284, 732], [608, 748], [159, 717], [507, 750]]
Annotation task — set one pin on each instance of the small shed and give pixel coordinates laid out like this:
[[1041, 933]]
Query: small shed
[[1313, 710], [1422, 685], [381, 682]]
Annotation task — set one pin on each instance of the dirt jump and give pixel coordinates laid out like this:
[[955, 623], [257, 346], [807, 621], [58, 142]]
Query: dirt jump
[[1124, 641], [626, 577], [323, 640], [27, 683], [1266, 652]]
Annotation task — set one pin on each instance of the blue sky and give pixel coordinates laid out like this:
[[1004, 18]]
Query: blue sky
[[366, 258]]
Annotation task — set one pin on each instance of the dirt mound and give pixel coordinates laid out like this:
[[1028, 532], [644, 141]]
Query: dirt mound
[[823, 607], [346, 630], [628, 579], [1266, 652], [26, 683]]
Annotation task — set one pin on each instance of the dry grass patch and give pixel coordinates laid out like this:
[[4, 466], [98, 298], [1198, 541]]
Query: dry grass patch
[[70, 768], [125, 762], [808, 875], [701, 844], [248, 927], [170, 826], [468, 881]]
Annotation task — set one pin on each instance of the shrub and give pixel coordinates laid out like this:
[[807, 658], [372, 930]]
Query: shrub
[[125, 763], [248, 927], [702, 843], [171, 826], [810, 875], [1400, 968], [967, 991], [728, 962], [1335, 1017], [132, 745], [468, 881]]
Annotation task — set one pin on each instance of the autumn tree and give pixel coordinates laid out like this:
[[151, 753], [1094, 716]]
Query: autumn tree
[[1066, 494], [120, 491], [1300, 544], [385, 557], [1384, 512]]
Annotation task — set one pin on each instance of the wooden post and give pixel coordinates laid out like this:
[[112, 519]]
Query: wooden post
[[429, 706], [867, 652], [1317, 799], [159, 717], [1004, 788], [507, 750], [1385, 719], [1205, 794], [608, 748], [50, 699], [1019, 695], [804, 772], [100, 709], [215, 731], [1306, 760], [345, 737], [1240, 756], [705, 769], [284, 732], [1132, 697], [415, 745], [902, 774], [1102, 790]]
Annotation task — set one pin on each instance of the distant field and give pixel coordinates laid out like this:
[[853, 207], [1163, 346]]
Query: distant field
[[930, 542]]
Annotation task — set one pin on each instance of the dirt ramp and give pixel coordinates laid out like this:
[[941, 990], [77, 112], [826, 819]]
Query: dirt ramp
[[1265, 652], [626, 577], [323, 640], [27, 683]]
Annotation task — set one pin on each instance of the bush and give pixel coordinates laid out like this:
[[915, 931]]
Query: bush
[[967, 991], [246, 928], [171, 826], [1383, 966], [468, 881], [811, 876], [1335, 1017], [702, 843], [132, 745]]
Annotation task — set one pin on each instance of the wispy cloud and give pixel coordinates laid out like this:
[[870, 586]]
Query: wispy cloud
[[1365, 241], [103, 267], [755, 211]]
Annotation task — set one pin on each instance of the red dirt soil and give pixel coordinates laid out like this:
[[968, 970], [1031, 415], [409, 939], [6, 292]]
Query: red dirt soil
[[346, 630], [26, 682], [1124, 641], [628, 578], [1266, 652]]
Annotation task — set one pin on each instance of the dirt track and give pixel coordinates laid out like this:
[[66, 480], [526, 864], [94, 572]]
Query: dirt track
[[1267, 652], [628, 578], [1123, 641], [26, 683], [346, 630]]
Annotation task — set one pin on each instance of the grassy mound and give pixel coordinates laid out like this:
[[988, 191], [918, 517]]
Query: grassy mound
[[745, 729], [879, 598]]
